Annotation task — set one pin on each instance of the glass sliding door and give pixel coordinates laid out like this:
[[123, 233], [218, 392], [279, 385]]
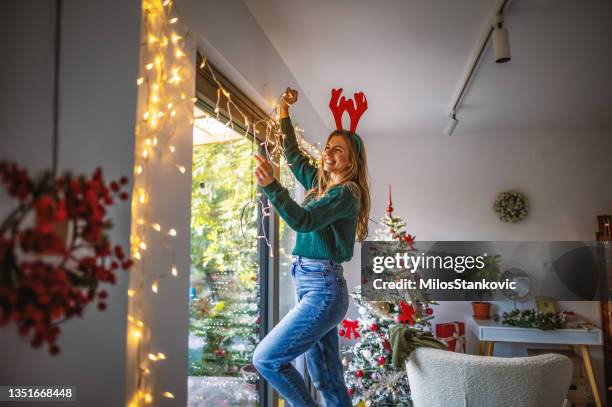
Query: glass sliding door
[[225, 293]]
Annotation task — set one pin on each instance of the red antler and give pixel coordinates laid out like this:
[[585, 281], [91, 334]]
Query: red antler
[[356, 113], [339, 104]]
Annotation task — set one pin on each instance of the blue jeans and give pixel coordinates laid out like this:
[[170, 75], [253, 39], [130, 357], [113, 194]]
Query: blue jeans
[[309, 327]]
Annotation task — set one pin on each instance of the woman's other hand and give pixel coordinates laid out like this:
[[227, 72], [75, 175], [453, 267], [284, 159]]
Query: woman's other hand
[[290, 96], [264, 173]]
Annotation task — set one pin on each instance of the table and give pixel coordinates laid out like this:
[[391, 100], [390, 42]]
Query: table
[[489, 331]]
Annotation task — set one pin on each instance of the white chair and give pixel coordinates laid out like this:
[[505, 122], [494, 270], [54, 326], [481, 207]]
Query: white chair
[[440, 378]]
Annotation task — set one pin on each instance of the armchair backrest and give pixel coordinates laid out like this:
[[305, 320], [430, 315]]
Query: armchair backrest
[[441, 378]]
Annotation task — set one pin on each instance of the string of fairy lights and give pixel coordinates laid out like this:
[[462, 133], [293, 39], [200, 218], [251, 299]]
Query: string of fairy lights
[[166, 69]]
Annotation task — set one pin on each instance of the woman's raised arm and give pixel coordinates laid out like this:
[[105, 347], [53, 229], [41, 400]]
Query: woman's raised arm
[[304, 171]]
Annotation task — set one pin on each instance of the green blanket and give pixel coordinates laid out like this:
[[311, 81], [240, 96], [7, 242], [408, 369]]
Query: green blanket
[[405, 339]]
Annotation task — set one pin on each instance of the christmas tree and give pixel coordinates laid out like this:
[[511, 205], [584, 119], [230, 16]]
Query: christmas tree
[[369, 374]]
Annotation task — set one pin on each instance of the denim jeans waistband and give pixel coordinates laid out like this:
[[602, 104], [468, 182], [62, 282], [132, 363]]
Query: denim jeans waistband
[[301, 259]]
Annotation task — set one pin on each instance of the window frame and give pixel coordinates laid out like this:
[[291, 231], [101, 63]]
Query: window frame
[[206, 99]]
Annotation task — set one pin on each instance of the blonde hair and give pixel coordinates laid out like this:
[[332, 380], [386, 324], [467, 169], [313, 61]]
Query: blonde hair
[[355, 178]]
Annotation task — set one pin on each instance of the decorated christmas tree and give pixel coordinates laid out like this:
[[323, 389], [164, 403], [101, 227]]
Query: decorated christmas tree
[[371, 378]]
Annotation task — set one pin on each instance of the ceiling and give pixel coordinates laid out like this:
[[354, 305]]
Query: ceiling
[[410, 57]]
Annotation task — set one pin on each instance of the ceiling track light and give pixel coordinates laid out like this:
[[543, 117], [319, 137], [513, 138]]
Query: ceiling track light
[[501, 44], [501, 40]]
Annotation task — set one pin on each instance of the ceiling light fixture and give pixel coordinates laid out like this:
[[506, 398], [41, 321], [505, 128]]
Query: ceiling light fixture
[[501, 40], [501, 44]]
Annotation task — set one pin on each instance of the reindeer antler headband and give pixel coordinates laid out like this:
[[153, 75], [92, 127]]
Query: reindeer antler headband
[[339, 105]]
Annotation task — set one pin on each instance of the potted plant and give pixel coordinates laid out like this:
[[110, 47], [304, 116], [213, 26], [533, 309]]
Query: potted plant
[[490, 272]]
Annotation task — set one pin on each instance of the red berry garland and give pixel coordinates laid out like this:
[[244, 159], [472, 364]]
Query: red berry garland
[[45, 280]]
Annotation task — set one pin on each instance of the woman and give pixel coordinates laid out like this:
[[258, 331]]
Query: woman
[[334, 212]]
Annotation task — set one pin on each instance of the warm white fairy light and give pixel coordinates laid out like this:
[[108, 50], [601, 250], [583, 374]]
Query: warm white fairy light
[[164, 84], [165, 68]]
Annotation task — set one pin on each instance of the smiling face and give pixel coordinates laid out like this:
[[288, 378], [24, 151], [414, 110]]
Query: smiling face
[[336, 155]]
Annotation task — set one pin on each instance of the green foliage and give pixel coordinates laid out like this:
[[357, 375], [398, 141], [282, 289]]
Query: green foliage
[[530, 318], [224, 256], [490, 272]]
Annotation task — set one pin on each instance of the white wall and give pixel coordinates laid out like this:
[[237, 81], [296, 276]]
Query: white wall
[[98, 102]]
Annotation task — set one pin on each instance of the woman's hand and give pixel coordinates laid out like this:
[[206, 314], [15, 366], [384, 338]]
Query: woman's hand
[[264, 173], [290, 96]]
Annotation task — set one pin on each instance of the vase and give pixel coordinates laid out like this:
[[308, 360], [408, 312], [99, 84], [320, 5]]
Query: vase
[[481, 310]]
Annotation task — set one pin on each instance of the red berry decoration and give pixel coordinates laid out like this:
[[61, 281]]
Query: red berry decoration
[[341, 332], [381, 360], [373, 327], [359, 374], [43, 292], [351, 391], [429, 311]]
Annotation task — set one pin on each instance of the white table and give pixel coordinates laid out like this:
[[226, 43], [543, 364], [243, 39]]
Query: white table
[[488, 332]]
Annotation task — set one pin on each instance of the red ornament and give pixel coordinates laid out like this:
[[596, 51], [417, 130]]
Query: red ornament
[[407, 313], [429, 311], [409, 239], [341, 332], [351, 327], [381, 360], [359, 374], [351, 391], [373, 327], [390, 204]]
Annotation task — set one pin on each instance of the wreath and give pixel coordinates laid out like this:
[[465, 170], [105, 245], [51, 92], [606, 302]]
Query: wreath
[[533, 319], [511, 206], [54, 250]]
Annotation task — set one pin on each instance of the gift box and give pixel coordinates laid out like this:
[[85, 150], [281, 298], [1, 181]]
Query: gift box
[[453, 333]]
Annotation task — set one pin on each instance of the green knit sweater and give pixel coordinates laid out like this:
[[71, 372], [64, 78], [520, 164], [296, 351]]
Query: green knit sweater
[[326, 226]]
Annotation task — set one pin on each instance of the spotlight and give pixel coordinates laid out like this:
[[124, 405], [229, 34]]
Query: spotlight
[[450, 126], [501, 40]]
